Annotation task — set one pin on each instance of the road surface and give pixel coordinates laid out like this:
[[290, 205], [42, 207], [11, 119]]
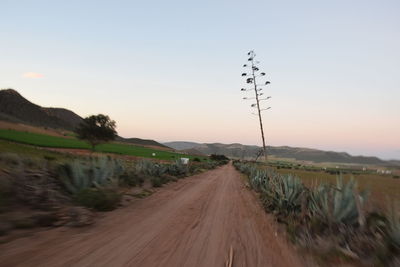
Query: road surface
[[203, 220]]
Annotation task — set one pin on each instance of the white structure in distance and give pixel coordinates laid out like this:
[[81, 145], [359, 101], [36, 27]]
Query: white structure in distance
[[185, 161]]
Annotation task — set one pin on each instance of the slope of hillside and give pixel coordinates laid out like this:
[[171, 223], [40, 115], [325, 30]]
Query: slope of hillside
[[16, 108], [142, 142], [65, 115]]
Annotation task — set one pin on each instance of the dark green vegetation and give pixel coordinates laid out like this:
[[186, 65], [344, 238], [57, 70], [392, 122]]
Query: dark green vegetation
[[96, 129], [219, 157], [42, 140], [333, 220], [102, 199]]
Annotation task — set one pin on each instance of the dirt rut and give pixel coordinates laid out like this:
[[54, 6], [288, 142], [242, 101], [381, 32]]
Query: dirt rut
[[198, 221]]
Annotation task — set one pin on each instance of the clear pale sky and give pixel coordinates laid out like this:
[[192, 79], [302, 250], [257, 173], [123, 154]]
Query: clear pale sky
[[170, 70]]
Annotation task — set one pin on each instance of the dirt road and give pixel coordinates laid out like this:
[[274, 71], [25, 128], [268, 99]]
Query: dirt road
[[193, 222]]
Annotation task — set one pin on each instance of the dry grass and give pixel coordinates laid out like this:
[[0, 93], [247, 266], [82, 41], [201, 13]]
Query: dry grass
[[382, 188]]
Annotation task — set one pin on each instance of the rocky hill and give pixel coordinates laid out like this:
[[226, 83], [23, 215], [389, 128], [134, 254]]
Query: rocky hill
[[15, 108]]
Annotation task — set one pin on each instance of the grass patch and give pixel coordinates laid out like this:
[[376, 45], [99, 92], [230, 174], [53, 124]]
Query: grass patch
[[29, 151], [381, 187]]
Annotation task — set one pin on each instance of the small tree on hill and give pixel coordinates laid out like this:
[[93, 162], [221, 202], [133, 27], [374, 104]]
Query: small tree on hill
[[96, 129]]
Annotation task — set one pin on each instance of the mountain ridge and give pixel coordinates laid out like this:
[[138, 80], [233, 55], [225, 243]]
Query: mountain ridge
[[236, 150]]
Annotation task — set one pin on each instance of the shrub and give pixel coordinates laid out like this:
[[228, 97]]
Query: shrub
[[49, 158], [101, 199], [219, 157], [177, 169], [131, 178], [156, 181], [10, 158], [24, 223], [6, 192], [150, 168]]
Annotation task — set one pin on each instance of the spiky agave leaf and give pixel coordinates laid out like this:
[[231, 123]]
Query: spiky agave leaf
[[335, 204], [74, 177], [101, 171]]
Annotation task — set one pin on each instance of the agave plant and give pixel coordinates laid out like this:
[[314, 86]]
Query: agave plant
[[243, 167], [74, 177], [283, 194], [394, 226], [258, 179], [79, 175], [340, 203], [150, 168], [105, 170]]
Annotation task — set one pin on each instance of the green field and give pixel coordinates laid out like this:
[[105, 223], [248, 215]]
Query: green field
[[42, 140]]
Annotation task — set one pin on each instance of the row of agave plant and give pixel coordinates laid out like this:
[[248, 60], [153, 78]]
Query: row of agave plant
[[95, 182], [332, 219], [104, 171]]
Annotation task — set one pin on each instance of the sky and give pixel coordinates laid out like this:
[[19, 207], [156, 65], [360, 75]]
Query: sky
[[171, 70]]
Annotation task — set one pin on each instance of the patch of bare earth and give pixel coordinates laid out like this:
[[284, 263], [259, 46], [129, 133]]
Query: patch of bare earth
[[204, 220]]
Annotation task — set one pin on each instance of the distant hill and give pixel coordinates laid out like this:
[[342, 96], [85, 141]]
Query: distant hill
[[230, 150], [142, 142], [307, 154], [15, 108], [192, 151], [181, 145]]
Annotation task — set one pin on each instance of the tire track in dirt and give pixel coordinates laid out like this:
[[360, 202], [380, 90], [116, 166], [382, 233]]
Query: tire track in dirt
[[193, 222]]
